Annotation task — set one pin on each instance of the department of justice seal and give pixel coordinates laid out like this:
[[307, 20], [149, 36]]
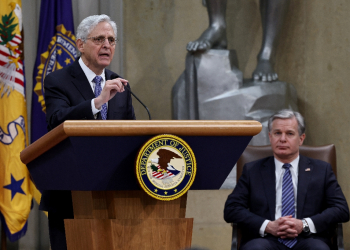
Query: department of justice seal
[[165, 167]]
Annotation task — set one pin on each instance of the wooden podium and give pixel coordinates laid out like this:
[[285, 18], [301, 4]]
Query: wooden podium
[[95, 160]]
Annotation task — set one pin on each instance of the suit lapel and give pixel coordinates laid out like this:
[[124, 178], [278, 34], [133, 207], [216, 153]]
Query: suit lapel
[[304, 178], [80, 81], [269, 180]]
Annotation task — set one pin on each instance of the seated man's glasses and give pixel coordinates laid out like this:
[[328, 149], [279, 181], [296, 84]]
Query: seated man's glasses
[[101, 39]]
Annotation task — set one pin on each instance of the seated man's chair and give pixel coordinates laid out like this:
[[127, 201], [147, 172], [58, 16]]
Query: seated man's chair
[[325, 153]]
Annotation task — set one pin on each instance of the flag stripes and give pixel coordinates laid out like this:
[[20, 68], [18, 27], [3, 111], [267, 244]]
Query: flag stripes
[[160, 175]]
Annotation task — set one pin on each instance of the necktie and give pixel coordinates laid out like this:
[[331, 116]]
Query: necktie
[[98, 89], [288, 201]]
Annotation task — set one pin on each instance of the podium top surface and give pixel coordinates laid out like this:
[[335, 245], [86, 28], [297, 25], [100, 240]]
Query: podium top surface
[[138, 128]]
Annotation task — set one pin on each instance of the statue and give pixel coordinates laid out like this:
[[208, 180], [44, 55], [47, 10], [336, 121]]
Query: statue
[[212, 86], [214, 37], [208, 61]]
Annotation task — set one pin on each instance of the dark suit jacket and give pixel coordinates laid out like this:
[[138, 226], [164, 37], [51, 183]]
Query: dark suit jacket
[[253, 200], [68, 96]]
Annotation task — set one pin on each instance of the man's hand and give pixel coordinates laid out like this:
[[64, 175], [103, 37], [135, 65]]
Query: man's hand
[[276, 227], [285, 227], [294, 228], [111, 88]]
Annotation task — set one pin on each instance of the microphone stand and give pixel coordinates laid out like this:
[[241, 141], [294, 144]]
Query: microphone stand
[[128, 88]]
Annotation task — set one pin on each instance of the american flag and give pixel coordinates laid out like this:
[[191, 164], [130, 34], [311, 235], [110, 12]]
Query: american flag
[[11, 69], [161, 176]]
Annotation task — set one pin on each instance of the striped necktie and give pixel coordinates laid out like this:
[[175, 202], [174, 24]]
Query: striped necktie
[[98, 89], [288, 202]]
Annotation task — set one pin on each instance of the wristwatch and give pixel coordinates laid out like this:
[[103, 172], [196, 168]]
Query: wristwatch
[[306, 229]]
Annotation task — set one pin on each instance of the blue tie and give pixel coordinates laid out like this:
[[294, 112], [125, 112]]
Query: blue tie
[[98, 90], [288, 201]]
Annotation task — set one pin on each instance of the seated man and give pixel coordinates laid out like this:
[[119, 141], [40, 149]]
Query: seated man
[[287, 201]]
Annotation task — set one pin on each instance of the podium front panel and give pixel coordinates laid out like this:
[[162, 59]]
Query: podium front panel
[[108, 162]]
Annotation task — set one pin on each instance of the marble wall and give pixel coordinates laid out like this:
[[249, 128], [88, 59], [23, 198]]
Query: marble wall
[[155, 38]]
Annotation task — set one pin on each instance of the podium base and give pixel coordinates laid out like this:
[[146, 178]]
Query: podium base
[[97, 234], [127, 220]]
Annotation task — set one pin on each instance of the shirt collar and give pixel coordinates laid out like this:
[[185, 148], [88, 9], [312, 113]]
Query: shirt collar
[[294, 163], [90, 75]]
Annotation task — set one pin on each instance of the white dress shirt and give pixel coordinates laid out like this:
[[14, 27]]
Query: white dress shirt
[[90, 75], [279, 172]]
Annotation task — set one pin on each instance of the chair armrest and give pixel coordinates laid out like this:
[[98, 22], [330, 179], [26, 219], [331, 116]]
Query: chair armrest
[[340, 236], [234, 243]]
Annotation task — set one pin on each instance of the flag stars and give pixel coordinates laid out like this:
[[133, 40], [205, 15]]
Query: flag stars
[[15, 187], [67, 61], [165, 192], [175, 190], [59, 51], [14, 60], [155, 190]]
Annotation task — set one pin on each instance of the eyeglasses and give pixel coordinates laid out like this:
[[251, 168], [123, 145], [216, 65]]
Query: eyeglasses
[[101, 40]]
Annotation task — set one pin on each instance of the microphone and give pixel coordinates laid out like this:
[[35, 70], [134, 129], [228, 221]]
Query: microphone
[[114, 75]]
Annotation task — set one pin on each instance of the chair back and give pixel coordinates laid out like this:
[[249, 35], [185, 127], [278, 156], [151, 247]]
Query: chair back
[[325, 153]]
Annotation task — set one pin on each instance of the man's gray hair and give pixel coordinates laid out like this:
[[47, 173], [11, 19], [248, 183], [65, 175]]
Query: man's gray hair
[[89, 23], [288, 114]]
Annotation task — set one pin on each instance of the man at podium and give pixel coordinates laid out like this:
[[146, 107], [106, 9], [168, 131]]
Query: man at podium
[[83, 90]]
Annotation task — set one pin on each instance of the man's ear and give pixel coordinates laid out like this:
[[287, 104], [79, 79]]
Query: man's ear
[[302, 138], [80, 45]]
